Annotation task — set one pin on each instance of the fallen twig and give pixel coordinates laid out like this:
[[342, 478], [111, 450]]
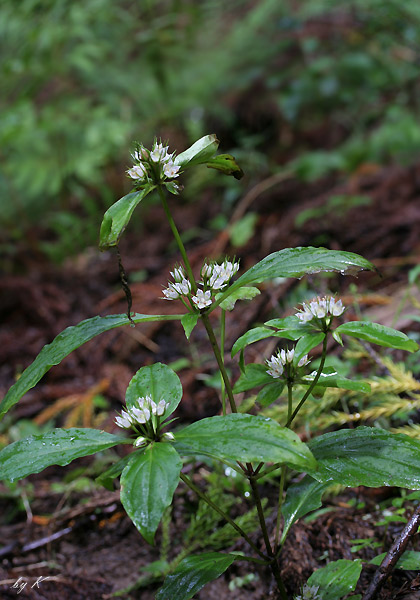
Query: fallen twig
[[393, 555]]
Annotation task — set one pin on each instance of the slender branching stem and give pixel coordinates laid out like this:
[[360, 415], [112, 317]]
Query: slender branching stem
[[259, 474], [222, 353], [313, 384], [284, 467], [274, 566], [219, 359], [225, 516], [178, 239]]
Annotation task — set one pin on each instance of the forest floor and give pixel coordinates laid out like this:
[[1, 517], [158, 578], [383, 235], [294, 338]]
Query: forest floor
[[81, 541]]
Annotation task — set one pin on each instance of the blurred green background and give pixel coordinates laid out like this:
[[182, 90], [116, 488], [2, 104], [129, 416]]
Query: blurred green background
[[311, 87]]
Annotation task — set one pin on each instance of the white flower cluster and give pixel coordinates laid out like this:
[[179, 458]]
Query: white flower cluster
[[320, 308], [283, 358], [181, 287], [309, 592], [156, 162], [142, 413], [215, 278]]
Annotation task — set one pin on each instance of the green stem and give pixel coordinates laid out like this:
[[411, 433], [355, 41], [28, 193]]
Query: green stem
[[284, 467], [178, 240], [266, 471], [222, 351], [313, 384], [274, 566], [219, 359], [227, 518]]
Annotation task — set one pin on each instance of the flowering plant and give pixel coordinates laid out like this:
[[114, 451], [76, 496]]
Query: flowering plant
[[248, 443]]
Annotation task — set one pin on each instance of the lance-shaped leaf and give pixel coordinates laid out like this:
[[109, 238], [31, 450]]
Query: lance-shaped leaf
[[296, 262], [301, 498], [244, 293], [65, 342], [253, 335], [378, 334], [200, 152], [246, 438], [192, 574], [118, 216], [270, 392], [330, 378], [158, 381], [337, 579], [253, 376], [226, 164], [56, 447], [367, 456], [409, 561], [188, 322], [148, 484], [306, 343], [289, 328]]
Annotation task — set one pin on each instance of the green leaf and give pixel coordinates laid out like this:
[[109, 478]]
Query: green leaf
[[337, 579], [331, 378], [301, 498], [291, 322], [117, 217], [367, 456], [148, 484], [306, 343], [378, 334], [107, 477], [245, 293], [188, 322], [409, 561], [56, 447], [296, 262], [226, 164], [246, 438], [65, 342], [200, 152], [158, 381], [253, 376], [253, 335], [270, 393], [192, 574]]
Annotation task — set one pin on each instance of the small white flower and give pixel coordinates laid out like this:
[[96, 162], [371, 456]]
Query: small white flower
[[181, 287], [140, 441], [137, 172], [178, 274], [320, 308], [218, 276], [170, 292], [124, 420], [309, 593], [158, 152], [141, 412], [202, 299], [168, 437], [184, 287], [303, 361], [336, 307], [170, 170], [283, 358], [138, 415], [161, 407], [206, 271], [276, 367]]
